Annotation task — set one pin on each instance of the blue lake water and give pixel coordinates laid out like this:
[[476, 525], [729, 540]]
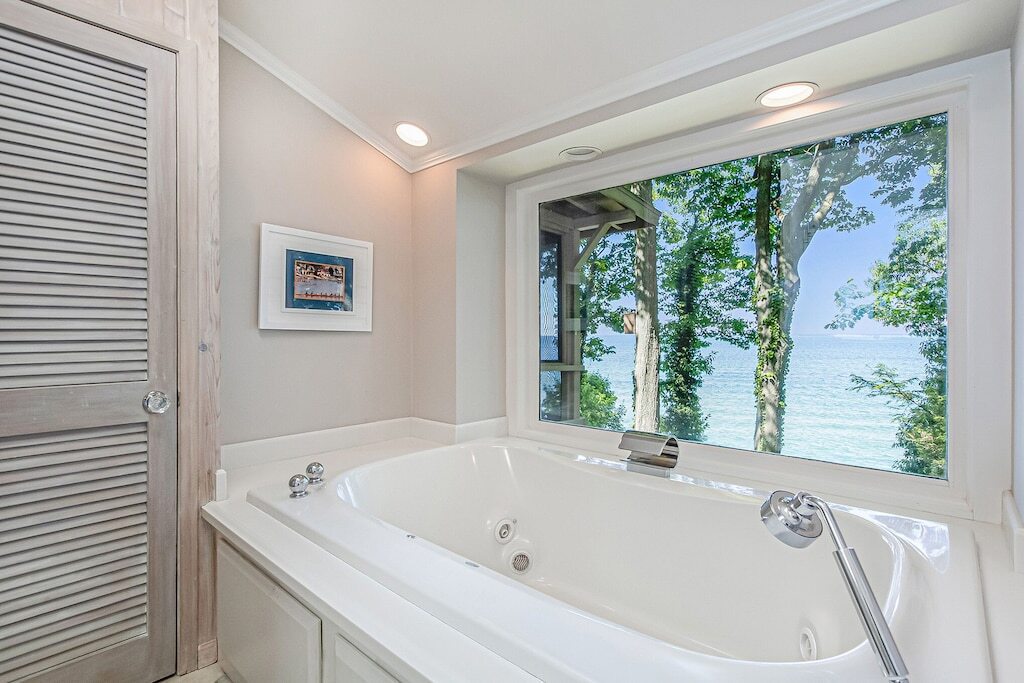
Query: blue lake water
[[825, 418]]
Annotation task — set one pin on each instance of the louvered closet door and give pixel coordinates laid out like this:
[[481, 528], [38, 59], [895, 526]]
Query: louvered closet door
[[87, 329]]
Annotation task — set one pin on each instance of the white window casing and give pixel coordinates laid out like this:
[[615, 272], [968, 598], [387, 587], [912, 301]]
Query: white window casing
[[976, 94]]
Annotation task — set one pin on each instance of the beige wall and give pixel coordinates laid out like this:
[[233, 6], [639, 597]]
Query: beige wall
[[284, 161], [433, 293], [458, 296], [480, 299]]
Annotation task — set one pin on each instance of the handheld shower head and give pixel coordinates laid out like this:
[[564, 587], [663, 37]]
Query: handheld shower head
[[791, 519], [796, 520]]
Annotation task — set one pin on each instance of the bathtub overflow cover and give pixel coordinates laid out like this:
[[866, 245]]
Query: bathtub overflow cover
[[504, 531]]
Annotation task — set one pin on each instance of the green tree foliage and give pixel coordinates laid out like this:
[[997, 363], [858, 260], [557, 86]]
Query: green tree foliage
[[598, 403], [606, 277], [704, 283], [709, 289], [909, 290], [803, 190]]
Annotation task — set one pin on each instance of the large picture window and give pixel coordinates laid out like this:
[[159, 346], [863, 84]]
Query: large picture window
[[790, 302]]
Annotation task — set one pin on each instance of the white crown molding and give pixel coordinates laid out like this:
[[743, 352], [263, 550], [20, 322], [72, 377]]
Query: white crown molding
[[770, 34], [239, 40]]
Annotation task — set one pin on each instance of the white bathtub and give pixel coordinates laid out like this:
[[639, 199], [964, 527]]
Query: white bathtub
[[633, 577]]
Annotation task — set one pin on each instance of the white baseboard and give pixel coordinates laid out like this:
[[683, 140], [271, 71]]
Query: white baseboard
[[1014, 528], [262, 451]]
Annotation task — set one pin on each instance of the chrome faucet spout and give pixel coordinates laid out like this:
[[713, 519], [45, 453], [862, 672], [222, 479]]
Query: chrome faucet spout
[[650, 453], [795, 519]]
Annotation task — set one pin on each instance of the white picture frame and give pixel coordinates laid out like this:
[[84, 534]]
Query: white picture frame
[[313, 281]]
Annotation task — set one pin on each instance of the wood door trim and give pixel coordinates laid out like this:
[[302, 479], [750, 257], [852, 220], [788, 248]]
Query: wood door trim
[[197, 99]]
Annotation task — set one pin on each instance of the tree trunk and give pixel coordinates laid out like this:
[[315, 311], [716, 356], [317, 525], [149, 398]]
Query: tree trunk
[[771, 347], [683, 416], [648, 349], [776, 293]]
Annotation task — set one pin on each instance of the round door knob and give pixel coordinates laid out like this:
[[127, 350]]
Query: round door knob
[[156, 402]]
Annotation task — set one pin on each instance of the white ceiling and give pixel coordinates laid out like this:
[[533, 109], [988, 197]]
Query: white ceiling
[[477, 73], [971, 28]]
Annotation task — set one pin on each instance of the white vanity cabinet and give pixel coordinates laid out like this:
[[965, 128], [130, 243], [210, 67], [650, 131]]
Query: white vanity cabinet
[[345, 663], [265, 635]]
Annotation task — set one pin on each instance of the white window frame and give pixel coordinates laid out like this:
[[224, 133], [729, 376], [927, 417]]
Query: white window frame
[[976, 94]]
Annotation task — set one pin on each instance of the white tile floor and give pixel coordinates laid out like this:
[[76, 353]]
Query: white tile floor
[[211, 674]]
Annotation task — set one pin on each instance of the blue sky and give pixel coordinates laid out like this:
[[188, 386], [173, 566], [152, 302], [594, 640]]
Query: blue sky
[[832, 259]]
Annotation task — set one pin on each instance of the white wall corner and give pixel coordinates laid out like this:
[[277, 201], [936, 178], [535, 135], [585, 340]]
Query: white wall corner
[[1014, 528], [446, 433]]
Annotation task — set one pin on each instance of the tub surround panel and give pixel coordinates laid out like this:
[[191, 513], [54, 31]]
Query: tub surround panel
[[931, 586], [293, 165], [307, 444], [340, 594]]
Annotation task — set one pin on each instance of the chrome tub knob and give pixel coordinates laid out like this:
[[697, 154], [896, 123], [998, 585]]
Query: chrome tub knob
[[298, 484], [315, 472]]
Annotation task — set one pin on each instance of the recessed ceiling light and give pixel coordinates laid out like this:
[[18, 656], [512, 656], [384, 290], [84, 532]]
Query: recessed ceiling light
[[786, 94], [412, 134], [579, 153]]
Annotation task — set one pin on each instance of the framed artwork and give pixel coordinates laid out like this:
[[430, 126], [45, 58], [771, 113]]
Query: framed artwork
[[313, 281]]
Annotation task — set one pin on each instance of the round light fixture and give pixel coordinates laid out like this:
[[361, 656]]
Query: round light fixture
[[412, 134], [579, 153], [787, 94]]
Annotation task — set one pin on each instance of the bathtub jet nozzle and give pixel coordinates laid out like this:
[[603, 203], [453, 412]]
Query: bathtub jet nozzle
[[796, 520]]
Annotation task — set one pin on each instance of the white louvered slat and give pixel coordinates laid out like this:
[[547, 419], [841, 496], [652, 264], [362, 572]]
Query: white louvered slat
[[66, 81], [81, 645], [30, 640], [13, 156], [68, 98], [51, 301], [23, 152], [25, 113], [73, 553], [71, 140], [43, 61], [72, 145], [74, 58], [59, 242], [76, 527], [84, 559], [70, 357], [86, 546], [12, 108], [66, 584], [71, 579], [87, 232], [66, 290], [56, 186], [40, 616]]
